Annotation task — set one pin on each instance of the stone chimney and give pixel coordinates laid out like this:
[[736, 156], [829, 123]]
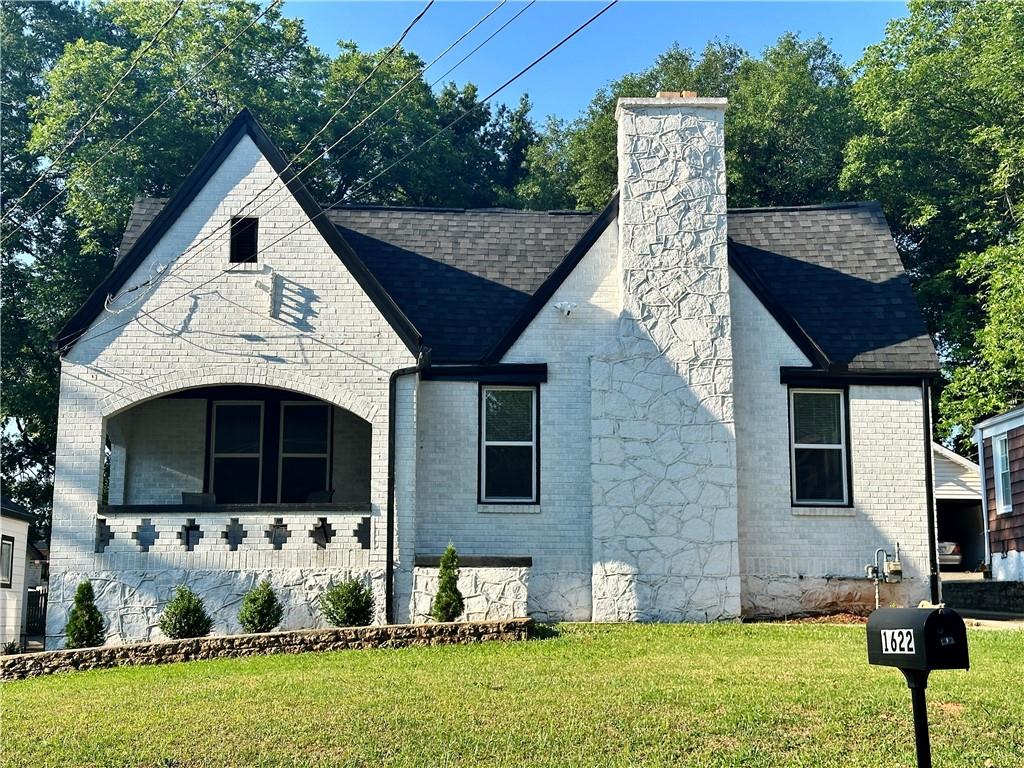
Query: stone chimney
[[663, 466]]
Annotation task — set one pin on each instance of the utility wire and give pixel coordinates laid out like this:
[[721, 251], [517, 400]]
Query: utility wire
[[109, 95], [451, 69], [144, 120], [365, 80], [466, 113], [179, 264]]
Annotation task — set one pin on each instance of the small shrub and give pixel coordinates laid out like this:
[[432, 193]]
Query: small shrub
[[261, 611], [185, 616], [448, 604], [85, 622], [349, 604], [11, 648]]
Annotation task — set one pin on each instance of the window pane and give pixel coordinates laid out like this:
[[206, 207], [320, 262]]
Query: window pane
[[6, 562], [816, 417], [301, 477], [238, 429], [509, 472], [1004, 455], [509, 414], [819, 474], [305, 429], [1004, 482], [236, 481]]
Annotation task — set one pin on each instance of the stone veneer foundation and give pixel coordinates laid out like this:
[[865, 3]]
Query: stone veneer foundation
[[26, 665]]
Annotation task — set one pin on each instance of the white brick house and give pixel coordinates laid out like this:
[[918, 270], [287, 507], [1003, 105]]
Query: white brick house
[[664, 411]]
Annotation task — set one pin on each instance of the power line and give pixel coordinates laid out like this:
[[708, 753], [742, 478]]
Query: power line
[[451, 69], [493, 34], [324, 210], [179, 264], [366, 79], [109, 95], [159, 106]]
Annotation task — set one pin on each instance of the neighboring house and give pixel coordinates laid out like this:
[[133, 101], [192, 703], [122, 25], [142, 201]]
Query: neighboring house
[[1000, 442], [662, 411], [14, 526], [958, 512]]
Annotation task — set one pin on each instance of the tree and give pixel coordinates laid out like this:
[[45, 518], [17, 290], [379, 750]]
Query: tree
[[85, 622], [943, 148], [60, 59], [41, 274], [789, 118], [448, 604], [995, 383], [549, 177]]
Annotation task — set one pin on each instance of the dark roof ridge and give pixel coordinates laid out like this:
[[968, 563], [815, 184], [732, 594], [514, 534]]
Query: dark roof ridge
[[432, 209], [810, 207]]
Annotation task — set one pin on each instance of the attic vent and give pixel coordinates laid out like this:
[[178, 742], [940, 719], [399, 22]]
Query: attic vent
[[243, 240]]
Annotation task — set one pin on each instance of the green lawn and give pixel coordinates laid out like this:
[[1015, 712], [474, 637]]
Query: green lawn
[[700, 695]]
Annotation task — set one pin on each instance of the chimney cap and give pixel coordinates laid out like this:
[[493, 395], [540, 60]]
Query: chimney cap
[[677, 95]]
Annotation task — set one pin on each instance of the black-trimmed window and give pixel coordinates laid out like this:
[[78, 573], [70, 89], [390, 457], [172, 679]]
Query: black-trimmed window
[[270, 451], [236, 452], [305, 450], [509, 445], [819, 447], [244, 231], [6, 561]]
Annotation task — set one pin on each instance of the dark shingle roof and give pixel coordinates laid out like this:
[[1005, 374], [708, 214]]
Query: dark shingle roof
[[464, 277], [835, 270]]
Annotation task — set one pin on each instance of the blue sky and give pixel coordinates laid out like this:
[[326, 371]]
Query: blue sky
[[625, 39]]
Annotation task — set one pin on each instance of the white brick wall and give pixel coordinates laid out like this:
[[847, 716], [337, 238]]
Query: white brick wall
[[328, 341], [795, 559], [555, 532]]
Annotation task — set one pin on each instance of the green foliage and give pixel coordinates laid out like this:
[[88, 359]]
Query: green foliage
[[996, 382], [790, 115], [943, 149], [448, 603], [185, 616], [261, 611], [348, 604], [60, 59], [10, 648], [85, 627]]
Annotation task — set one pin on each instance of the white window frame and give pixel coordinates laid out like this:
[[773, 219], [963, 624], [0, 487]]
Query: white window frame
[[280, 445], [1001, 455], [532, 443], [843, 446], [214, 455]]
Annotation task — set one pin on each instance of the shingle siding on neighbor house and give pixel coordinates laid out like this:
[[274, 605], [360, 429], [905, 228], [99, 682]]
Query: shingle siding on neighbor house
[[331, 343], [664, 485]]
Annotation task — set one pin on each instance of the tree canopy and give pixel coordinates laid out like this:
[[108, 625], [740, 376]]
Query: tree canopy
[[930, 122]]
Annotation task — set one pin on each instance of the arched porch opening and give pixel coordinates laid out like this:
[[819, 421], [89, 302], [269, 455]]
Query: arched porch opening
[[242, 447]]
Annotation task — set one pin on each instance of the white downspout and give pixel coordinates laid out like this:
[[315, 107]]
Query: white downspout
[[979, 439]]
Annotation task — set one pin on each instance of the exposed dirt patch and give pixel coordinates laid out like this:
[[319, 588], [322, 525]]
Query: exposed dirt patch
[[842, 617]]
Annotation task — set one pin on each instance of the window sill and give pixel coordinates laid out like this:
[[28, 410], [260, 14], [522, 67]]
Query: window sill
[[506, 508], [811, 511]]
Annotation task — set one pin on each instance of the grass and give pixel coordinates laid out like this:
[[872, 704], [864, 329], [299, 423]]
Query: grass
[[695, 695]]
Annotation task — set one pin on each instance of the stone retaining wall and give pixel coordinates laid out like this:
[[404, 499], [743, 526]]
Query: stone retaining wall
[[229, 646]]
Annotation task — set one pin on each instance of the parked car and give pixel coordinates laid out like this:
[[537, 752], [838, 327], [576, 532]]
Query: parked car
[[949, 553]]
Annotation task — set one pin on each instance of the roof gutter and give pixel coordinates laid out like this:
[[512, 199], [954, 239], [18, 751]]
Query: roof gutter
[[423, 361], [933, 554]]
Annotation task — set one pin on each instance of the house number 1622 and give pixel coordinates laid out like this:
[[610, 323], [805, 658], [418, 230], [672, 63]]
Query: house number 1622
[[897, 641]]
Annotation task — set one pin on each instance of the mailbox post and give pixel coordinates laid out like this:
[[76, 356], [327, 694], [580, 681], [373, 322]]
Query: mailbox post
[[916, 641]]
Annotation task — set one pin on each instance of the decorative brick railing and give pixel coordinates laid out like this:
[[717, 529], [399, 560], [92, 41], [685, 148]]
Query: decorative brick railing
[[27, 665]]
